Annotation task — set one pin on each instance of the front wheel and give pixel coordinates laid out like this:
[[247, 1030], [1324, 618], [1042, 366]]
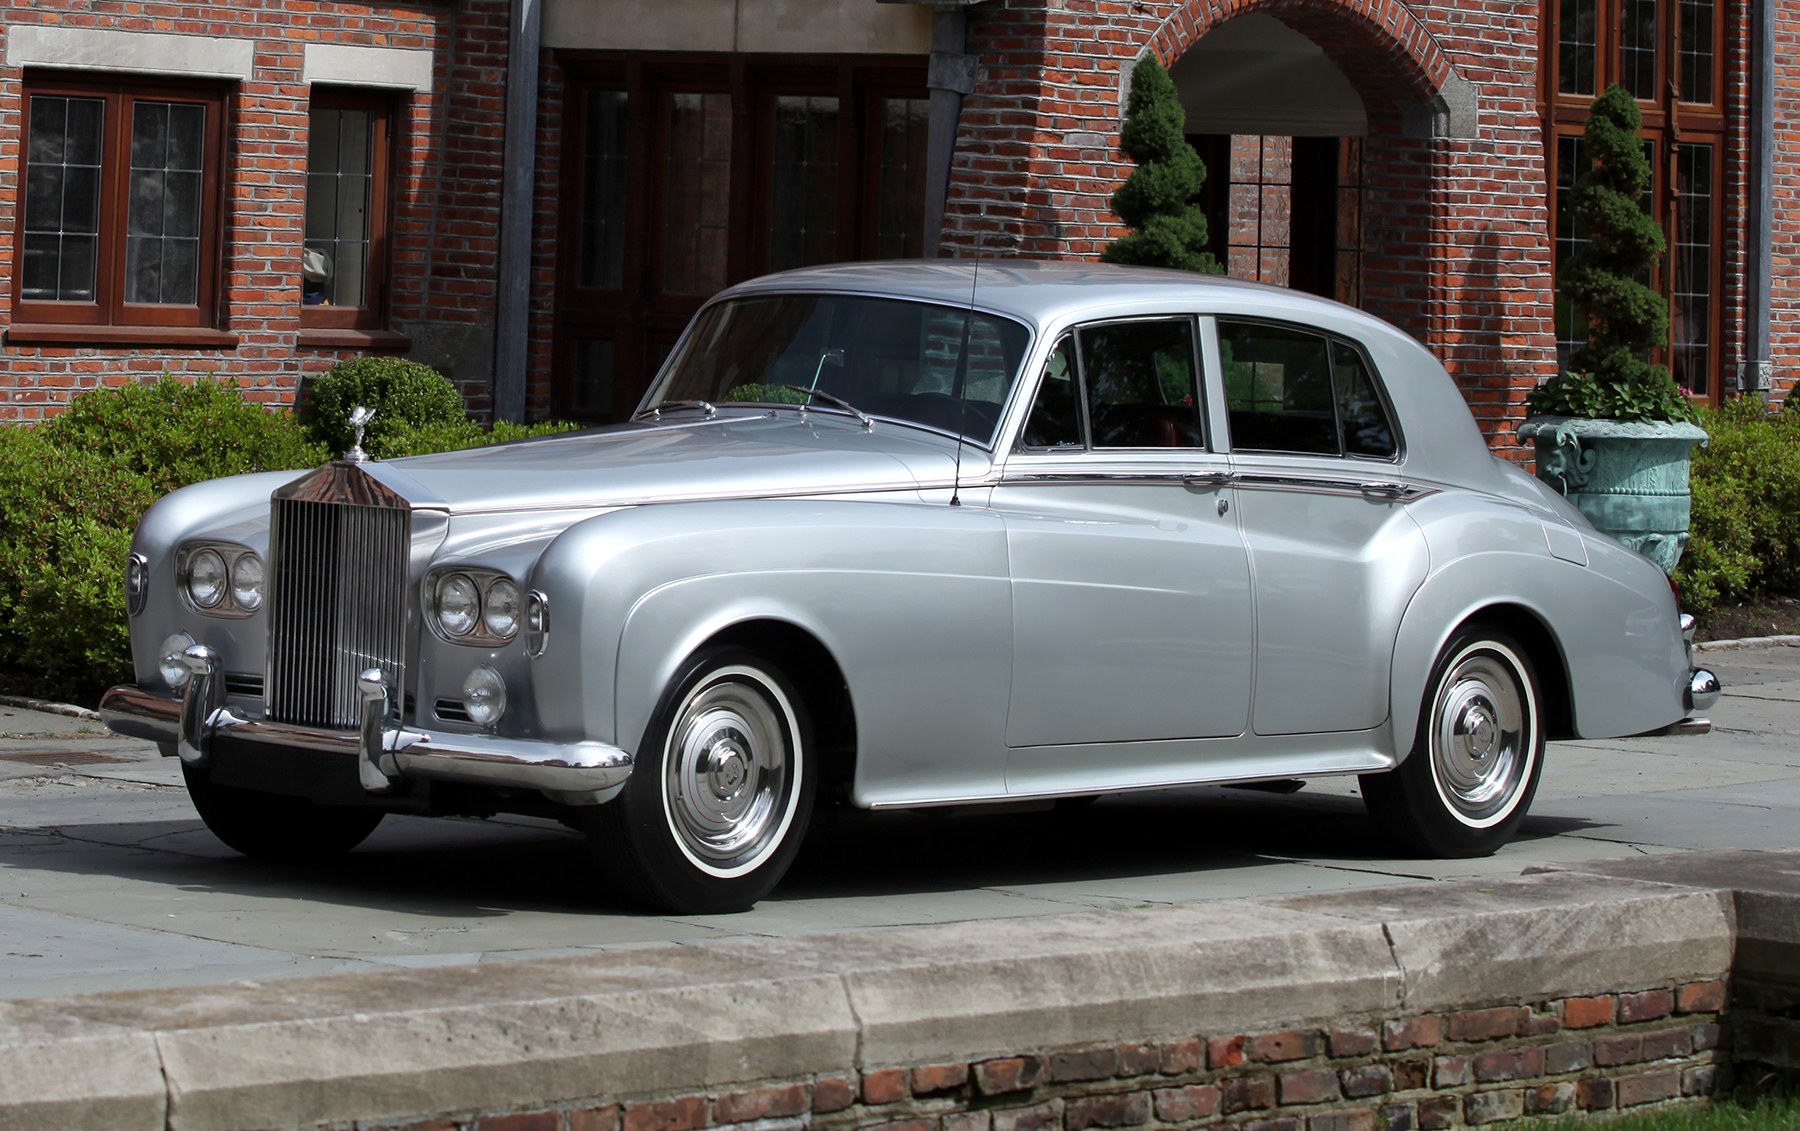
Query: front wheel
[[721, 792], [269, 826], [1465, 788]]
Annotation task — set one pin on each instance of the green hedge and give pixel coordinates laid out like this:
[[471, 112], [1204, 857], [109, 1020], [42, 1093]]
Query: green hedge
[[1745, 532], [73, 488]]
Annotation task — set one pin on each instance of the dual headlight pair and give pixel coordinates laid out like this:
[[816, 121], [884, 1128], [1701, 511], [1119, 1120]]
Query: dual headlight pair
[[473, 606], [223, 580]]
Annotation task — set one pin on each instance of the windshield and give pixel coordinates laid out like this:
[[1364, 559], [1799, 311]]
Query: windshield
[[939, 366]]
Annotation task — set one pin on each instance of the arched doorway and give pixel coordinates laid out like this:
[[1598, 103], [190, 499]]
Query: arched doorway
[[1281, 131]]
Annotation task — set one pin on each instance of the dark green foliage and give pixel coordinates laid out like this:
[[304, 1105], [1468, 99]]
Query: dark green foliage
[[1612, 375], [1158, 200], [463, 434], [407, 396], [1745, 531], [73, 488], [173, 433]]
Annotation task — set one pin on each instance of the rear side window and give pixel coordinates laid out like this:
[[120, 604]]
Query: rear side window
[[1296, 390], [1133, 384]]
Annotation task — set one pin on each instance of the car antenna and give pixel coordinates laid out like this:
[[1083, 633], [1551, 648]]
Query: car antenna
[[959, 382]]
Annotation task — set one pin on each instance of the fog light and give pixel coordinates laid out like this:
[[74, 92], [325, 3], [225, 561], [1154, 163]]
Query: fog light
[[170, 663], [484, 696]]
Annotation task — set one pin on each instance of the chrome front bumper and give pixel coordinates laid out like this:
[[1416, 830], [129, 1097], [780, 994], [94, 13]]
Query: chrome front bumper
[[575, 773]]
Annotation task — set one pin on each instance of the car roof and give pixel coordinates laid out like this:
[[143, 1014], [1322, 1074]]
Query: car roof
[[1033, 290]]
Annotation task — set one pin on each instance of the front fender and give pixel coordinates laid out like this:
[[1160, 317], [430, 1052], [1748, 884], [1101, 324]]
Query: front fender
[[911, 601]]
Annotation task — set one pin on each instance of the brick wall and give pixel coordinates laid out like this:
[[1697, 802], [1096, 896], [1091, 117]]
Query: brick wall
[[1457, 229], [1594, 1054], [446, 197]]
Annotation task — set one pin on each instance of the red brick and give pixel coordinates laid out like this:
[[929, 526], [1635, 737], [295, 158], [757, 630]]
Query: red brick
[[1186, 1105], [1483, 1024], [1668, 1043], [595, 1119], [1411, 1074], [832, 1093], [1138, 1060], [1089, 1064], [1366, 1080], [521, 1121], [1351, 1042], [1700, 997], [1342, 1121], [1246, 1093], [1129, 1110], [1180, 1057], [1550, 1099], [1609, 1052], [1494, 1107], [902, 1125], [1647, 1006], [762, 1103], [1412, 1033], [1439, 1112], [1652, 1087], [1038, 1117], [1587, 1012], [1314, 1086], [884, 1086], [931, 1079], [1509, 1064], [1009, 1074], [667, 1115], [1449, 1072], [1224, 1052], [1594, 1094], [1274, 1048], [964, 1121]]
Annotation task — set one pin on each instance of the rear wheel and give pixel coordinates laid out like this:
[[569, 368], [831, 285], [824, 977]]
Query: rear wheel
[[1474, 767], [269, 826], [721, 793]]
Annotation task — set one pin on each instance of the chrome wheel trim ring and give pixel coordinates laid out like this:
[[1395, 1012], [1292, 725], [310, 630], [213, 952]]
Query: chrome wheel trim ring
[[1483, 736], [730, 784]]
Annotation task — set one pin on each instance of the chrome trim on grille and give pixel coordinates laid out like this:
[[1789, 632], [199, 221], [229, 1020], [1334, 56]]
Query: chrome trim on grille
[[337, 598]]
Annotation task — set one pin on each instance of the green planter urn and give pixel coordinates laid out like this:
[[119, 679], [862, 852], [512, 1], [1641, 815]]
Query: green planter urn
[[1630, 479]]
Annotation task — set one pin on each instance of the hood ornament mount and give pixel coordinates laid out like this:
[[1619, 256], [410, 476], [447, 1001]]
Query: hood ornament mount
[[359, 420]]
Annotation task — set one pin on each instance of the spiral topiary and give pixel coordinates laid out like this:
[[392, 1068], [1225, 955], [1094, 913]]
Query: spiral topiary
[[1157, 200]]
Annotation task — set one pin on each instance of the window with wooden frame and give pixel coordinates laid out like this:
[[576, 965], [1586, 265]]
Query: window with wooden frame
[[118, 236], [1668, 55], [349, 162], [684, 174]]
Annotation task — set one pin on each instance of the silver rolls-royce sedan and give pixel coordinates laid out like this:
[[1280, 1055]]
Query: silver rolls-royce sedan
[[906, 535]]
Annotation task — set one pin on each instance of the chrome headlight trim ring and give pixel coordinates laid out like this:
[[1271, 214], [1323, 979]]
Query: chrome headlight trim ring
[[474, 606], [239, 576]]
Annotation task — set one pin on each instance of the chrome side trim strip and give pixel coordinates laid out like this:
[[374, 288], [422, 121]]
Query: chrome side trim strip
[[1383, 490]]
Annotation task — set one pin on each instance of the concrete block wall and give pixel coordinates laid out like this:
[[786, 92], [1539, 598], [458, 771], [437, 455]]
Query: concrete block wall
[[1434, 1006]]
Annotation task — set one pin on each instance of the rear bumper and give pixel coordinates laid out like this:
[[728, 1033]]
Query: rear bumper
[[576, 773]]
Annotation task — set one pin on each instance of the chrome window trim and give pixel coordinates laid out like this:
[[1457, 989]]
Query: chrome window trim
[[1376, 381]]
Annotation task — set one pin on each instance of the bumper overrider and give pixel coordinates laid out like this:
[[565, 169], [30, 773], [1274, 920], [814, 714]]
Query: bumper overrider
[[576, 773], [1702, 690]]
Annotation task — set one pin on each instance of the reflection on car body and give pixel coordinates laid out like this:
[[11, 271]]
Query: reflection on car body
[[905, 535]]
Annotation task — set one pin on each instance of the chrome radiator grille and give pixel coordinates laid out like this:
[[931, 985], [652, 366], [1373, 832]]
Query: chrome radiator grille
[[337, 605]]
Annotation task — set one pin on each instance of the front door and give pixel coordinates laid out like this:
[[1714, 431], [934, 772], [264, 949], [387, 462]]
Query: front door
[[1131, 586]]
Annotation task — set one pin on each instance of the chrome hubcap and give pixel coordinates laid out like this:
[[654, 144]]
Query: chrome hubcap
[[728, 779], [1481, 740]]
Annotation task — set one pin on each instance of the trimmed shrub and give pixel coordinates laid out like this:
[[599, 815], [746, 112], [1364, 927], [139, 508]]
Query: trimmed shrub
[[1159, 201], [407, 397], [460, 435], [1744, 538], [66, 517], [174, 433]]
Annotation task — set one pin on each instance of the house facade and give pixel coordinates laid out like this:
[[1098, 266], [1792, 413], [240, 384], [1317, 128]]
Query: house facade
[[533, 195]]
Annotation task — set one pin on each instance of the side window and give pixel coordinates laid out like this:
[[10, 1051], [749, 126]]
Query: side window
[[1138, 381], [1294, 390], [1055, 420], [1360, 412], [344, 265]]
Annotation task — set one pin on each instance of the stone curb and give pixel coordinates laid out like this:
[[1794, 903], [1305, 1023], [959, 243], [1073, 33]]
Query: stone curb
[[1747, 642], [49, 707], [406, 1044]]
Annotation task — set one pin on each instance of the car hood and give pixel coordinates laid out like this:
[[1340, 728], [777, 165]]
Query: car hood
[[731, 456]]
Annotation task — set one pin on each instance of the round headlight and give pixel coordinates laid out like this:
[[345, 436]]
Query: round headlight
[[169, 662], [458, 604], [247, 582], [206, 579], [500, 611], [484, 696]]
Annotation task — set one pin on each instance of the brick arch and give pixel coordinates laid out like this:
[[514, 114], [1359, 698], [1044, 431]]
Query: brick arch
[[1381, 46]]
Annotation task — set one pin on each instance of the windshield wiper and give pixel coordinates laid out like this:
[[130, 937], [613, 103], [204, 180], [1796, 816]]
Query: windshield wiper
[[834, 399], [655, 410]]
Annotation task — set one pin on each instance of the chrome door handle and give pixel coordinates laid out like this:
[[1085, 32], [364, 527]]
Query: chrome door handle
[[1393, 492], [1208, 480]]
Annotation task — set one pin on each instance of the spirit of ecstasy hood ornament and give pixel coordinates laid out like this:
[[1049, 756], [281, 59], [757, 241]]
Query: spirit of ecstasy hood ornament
[[359, 420]]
